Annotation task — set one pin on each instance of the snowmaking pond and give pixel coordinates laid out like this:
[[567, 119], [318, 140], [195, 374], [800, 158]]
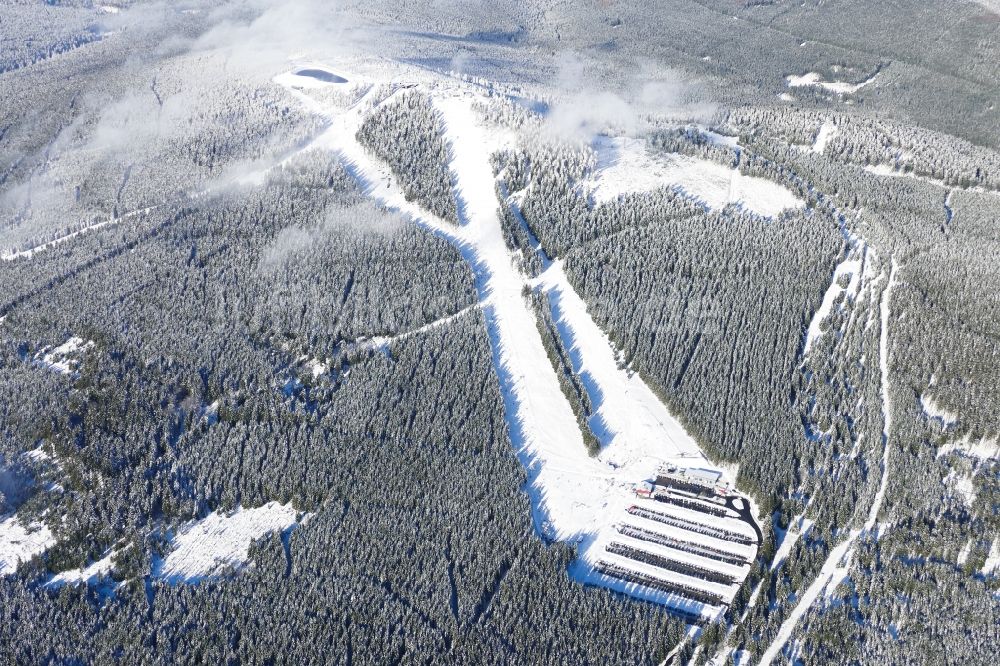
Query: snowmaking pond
[[310, 77], [320, 75]]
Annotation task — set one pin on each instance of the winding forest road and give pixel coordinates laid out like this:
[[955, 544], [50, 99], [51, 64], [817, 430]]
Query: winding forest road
[[839, 559]]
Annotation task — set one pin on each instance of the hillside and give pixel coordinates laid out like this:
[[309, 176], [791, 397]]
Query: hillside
[[499, 333]]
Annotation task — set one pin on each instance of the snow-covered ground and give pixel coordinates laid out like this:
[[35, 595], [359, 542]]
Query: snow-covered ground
[[383, 342], [626, 165], [983, 449], [64, 359], [221, 541], [200, 549], [838, 563], [851, 268], [892, 171], [20, 542], [826, 132], [963, 555], [835, 562], [934, 411], [638, 431], [89, 575], [839, 87], [319, 367], [992, 562], [41, 247], [965, 487], [575, 497], [796, 529], [887, 406], [316, 367]]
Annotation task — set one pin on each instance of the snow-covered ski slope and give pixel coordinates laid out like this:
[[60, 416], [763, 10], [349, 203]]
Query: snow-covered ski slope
[[626, 411], [626, 165], [682, 557]]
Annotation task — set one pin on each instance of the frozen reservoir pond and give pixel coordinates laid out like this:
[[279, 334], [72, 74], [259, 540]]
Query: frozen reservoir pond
[[321, 75]]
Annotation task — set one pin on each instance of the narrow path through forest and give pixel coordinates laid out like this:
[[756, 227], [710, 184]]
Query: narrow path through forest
[[839, 558]]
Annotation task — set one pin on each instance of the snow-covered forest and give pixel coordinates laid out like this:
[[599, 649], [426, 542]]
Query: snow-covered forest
[[513, 332]]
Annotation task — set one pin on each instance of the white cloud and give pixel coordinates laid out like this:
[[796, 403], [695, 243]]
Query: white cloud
[[585, 106]]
